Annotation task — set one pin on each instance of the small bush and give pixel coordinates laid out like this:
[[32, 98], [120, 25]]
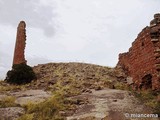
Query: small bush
[[120, 86], [8, 102], [148, 97], [11, 88], [47, 110], [26, 117], [20, 74]]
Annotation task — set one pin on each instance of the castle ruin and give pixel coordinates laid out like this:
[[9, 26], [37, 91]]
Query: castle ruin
[[142, 61], [19, 56]]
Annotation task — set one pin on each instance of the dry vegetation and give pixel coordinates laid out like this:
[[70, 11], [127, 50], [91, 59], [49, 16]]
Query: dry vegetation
[[149, 98], [66, 80], [8, 101]]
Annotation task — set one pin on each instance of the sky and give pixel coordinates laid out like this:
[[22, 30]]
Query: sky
[[88, 31]]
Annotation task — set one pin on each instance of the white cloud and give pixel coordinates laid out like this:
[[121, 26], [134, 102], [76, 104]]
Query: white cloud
[[94, 31], [35, 13]]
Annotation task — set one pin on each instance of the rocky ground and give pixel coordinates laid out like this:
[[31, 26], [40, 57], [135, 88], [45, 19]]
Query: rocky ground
[[87, 92], [108, 104], [17, 99]]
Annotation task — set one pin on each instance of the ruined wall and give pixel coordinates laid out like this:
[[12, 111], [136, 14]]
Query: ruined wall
[[142, 62], [19, 56]]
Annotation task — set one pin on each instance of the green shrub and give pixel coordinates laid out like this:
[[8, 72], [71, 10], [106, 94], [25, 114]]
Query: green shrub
[[20, 74]]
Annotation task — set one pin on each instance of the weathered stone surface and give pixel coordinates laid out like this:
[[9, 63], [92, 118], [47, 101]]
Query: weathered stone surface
[[34, 96], [108, 104], [11, 113], [129, 80], [158, 98], [3, 97], [19, 56], [141, 62]]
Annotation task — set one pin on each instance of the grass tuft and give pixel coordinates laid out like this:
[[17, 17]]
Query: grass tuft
[[8, 102]]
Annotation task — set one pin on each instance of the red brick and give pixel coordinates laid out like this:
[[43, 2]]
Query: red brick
[[19, 56], [141, 59]]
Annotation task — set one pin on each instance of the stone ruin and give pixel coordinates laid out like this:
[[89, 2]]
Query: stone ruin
[[19, 56], [142, 62]]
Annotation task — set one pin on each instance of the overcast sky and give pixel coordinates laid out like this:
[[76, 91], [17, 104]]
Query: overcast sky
[[90, 31]]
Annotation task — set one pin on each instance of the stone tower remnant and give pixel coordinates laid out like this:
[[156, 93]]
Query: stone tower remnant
[[19, 56], [142, 61]]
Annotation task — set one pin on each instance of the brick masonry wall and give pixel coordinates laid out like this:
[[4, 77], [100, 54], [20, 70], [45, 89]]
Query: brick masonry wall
[[142, 61], [19, 56]]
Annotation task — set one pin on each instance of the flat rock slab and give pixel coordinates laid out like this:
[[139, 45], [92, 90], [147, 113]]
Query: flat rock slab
[[11, 113], [34, 96], [108, 104], [3, 97]]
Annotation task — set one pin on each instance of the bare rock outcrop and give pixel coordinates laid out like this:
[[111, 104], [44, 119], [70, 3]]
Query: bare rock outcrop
[[11, 113]]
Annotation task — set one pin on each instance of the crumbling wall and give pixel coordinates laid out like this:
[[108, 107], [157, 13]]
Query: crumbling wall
[[19, 56], [142, 62]]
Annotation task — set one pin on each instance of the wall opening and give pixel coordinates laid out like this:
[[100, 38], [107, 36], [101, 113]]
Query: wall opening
[[154, 35], [142, 44], [146, 82]]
